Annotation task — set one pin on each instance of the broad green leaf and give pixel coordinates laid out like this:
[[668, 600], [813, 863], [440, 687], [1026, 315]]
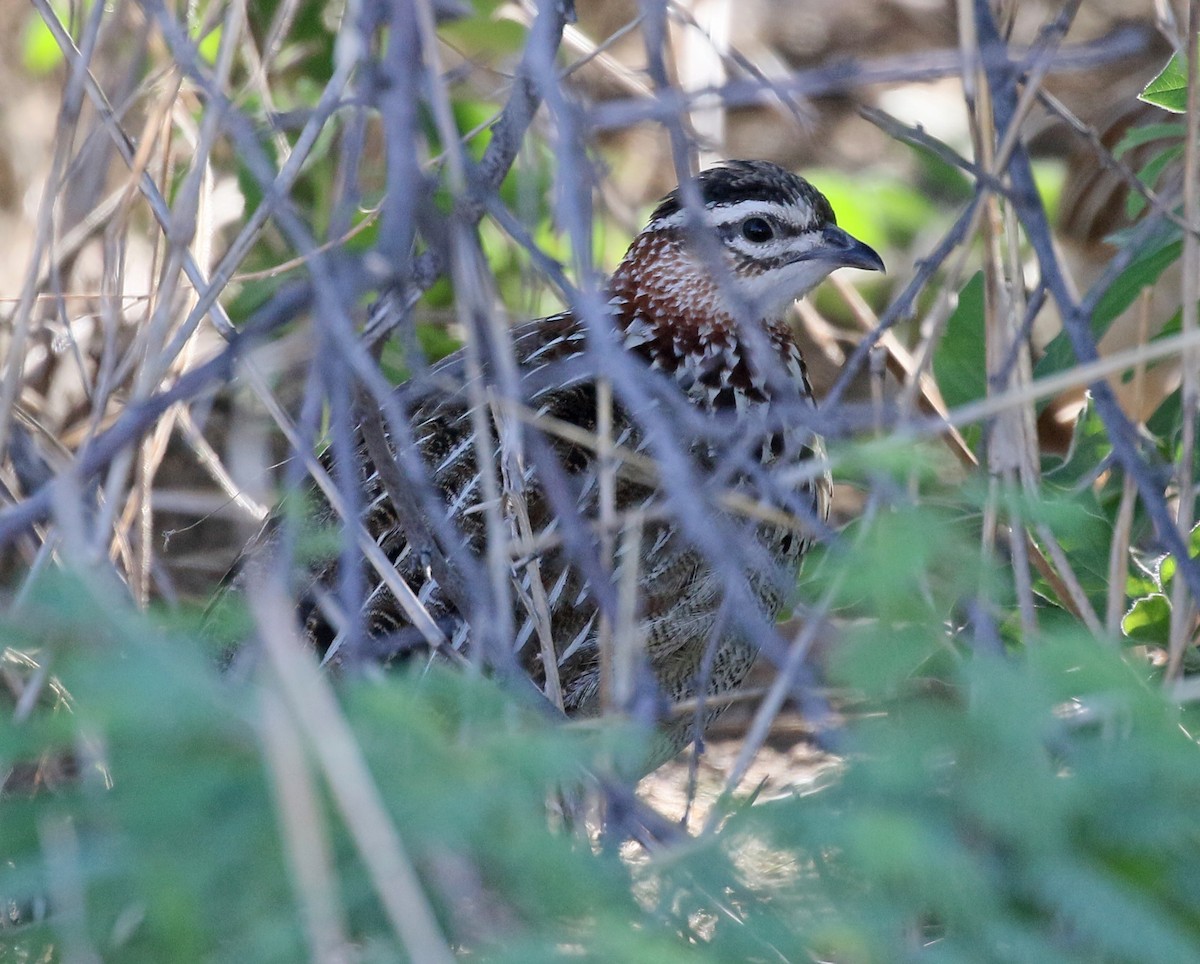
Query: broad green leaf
[[1090, 445], [209, 45], [39, 50], [1148, 620], [1147, 133], [1149, 175], [1167, 421], [1169, 89], [1144, 270], [1169, 565], [960, 361]]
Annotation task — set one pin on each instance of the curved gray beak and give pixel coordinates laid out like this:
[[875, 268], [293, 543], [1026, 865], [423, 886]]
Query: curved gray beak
[[847, 251]]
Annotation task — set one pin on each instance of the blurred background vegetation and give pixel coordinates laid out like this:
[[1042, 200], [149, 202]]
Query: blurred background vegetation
[[998, 758]]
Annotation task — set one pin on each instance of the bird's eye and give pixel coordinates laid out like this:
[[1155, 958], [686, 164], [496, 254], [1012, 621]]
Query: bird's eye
[[757, 230]]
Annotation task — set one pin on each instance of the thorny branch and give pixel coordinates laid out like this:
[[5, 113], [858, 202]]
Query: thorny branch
[[345, 370], [1003, 79]]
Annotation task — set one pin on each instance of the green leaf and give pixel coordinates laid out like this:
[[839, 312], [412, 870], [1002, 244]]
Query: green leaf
[[1143, 577], [1143, 271], [1166, 571], [1169, 89], [39, 50], [1148, 620], [209, 44], [960, 362], [1149, 174], [1137, 136], [1167, 419]]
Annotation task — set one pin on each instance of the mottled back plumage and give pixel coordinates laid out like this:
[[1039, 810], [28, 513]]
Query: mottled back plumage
[[772, 237]]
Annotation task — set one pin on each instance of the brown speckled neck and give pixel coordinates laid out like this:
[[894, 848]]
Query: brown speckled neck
[[673, 315]]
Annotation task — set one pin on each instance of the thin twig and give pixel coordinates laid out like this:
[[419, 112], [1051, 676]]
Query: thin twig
[[1124, 42], [303, 828], [1076, 315], [1118, 559], [1184, 595], [314, 709]]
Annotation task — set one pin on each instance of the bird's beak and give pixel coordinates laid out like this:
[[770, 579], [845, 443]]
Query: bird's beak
[[847, 251]]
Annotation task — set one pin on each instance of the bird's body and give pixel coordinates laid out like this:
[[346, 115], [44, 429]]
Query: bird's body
[[774, 236]]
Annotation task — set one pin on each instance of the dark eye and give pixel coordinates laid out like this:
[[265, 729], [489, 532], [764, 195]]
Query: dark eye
[[757, 230]]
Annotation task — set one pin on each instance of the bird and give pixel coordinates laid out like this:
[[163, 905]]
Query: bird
[[698, 306]]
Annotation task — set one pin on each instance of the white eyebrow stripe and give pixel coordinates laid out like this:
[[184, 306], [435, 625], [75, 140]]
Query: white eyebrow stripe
[[797, 214]]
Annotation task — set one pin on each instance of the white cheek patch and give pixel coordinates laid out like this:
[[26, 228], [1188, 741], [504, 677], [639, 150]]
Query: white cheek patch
[[773, 291]]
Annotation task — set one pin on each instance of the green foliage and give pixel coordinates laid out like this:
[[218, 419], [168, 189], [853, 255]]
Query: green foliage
[[1151, 261], [1001, 795], [1151, 171], [185, 838], [40, 52], [960, 360], [1169, 89], [1025, 803], [1148, 621], [886, 211], [208, 44], [994, 818]]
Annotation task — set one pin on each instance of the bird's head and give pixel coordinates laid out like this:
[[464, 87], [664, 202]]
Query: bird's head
[[776, 234]]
